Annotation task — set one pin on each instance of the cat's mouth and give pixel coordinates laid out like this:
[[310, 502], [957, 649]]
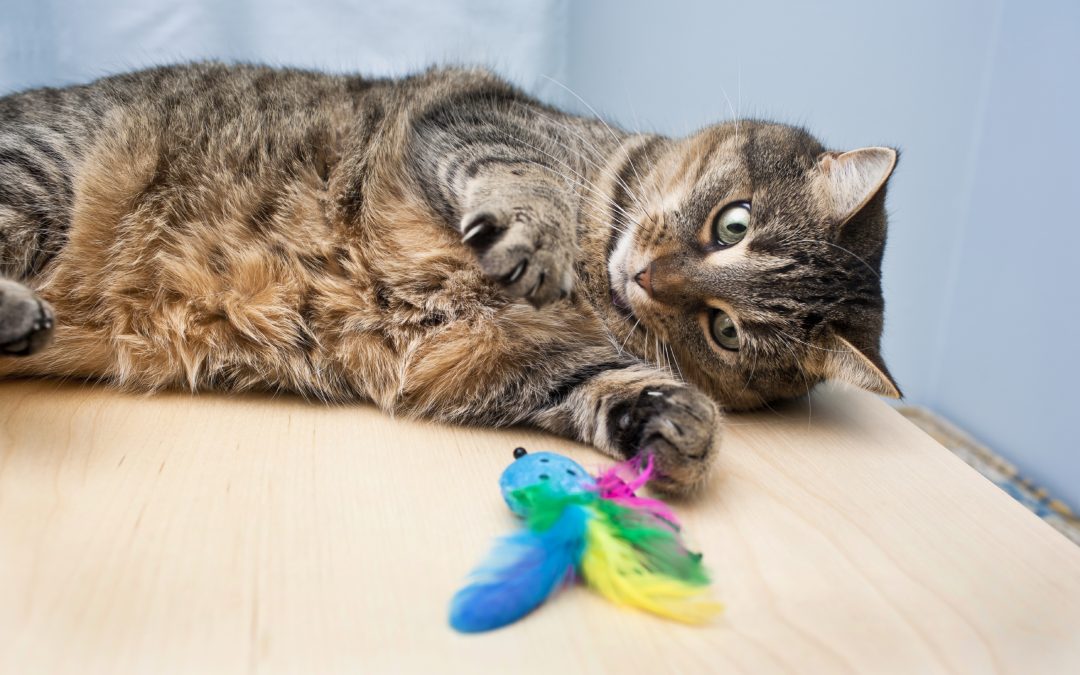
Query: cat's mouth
[[620, 300], [617, 278], [622, 305]]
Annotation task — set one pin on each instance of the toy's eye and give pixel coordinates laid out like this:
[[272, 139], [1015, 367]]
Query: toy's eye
[[520, 452]]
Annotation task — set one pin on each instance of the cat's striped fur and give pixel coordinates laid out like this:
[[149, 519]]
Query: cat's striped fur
[[442, 245]]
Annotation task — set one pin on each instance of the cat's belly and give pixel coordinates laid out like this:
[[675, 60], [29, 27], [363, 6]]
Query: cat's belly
[[154, 292]]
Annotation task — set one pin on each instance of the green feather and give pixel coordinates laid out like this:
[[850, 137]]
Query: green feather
[[657, 541]]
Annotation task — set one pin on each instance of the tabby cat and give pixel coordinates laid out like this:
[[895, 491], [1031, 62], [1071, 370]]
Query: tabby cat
[[442, 245]]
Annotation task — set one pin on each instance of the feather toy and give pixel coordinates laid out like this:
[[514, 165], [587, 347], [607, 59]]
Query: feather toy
[[624, 546]]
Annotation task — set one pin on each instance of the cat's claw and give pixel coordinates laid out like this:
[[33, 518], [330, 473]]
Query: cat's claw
[[521, 253], [678, 425]]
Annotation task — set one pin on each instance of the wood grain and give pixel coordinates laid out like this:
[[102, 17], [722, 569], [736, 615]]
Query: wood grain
[[205, 534]]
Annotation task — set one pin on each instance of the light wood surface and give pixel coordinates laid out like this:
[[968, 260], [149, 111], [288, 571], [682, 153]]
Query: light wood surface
[[205, 534]]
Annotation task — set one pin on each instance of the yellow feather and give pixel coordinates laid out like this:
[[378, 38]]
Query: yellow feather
[[614, 568]]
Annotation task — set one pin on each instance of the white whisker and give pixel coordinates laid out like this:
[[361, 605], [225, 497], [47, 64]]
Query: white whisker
[[607, 126], [628, 335], [603, 169], [845, 250]]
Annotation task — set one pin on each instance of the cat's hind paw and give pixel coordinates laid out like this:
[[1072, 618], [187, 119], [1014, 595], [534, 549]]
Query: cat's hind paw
[[26, 321]]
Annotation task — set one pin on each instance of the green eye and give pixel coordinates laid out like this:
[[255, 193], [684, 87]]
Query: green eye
[[731, 224], [724, 330]]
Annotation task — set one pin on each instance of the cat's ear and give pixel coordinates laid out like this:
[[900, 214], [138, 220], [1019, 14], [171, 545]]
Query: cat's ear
[[851, 179], [844, 362]]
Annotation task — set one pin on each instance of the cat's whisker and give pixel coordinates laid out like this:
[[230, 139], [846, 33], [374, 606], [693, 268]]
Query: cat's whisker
[[657, 233], [806, 381], [734, 115], [630, 334], [806, 344], [602, 168], [645, 346], [606, 126], [738, 105], [663, 355], [601, 203], [845, 250], [605, 170], [750, 377], [615, 344], [645, 152], [584, 182], [587, 145], [654, 187], [590, 186], [674, 361]]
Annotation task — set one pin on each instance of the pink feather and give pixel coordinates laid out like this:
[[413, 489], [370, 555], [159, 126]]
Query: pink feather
[[612, 485]]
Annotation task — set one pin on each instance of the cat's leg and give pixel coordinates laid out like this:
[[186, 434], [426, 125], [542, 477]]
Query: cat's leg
[[518, 222], [32, 219], [555, 369], [508, 190], [638, 410]]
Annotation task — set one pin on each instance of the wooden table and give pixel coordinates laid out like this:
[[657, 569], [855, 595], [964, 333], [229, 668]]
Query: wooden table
[[205, 534]]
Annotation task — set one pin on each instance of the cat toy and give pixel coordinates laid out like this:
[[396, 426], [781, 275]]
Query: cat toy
[[624, 546]]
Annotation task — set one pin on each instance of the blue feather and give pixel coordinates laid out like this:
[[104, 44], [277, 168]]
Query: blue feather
[[520, 573]]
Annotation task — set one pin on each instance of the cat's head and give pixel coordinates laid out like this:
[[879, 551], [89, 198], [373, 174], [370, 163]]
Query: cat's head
[[755, 255]]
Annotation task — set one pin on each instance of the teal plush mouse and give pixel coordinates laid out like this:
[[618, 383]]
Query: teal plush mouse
[[597, 529]]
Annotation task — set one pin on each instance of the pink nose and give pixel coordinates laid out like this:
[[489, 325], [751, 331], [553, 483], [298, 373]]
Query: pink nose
[[643, 279]]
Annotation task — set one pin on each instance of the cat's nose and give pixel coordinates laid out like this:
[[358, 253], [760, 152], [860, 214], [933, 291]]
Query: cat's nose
[[644, 279], [667, 281]]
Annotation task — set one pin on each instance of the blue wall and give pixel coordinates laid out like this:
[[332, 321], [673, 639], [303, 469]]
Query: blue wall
[[1007, 365], [981, 97]]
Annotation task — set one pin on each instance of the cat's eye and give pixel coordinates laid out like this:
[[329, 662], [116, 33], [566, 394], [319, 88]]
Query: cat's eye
[[724, 331], [731, 223]]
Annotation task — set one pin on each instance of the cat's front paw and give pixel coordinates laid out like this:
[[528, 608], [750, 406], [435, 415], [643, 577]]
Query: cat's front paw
[[678, 425], [519, 249], [26, 321]]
